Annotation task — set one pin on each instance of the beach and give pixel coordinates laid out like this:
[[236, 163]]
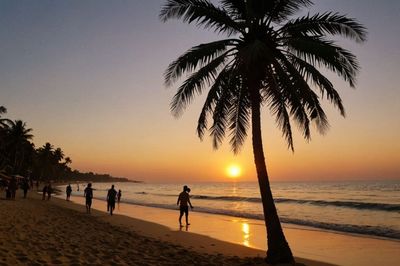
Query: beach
[[57, 232]]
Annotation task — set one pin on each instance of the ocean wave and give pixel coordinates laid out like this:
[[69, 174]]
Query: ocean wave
[[347, 204], [378, 231]]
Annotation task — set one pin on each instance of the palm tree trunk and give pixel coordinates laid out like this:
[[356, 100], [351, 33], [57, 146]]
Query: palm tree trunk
[[278, 248]]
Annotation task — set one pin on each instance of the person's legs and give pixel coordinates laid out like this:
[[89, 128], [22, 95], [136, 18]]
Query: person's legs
[[187, 216], [112, 207], [181, 214]]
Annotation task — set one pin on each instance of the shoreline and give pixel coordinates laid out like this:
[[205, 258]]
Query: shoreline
[[284, 224], [312, 244], [58, 232], [36, 232]]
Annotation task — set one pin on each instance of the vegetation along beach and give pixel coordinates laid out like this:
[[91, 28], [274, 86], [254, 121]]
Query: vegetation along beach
[[199, 132]]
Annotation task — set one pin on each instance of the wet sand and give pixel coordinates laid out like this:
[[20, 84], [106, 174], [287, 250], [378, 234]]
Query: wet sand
[[306, 243]]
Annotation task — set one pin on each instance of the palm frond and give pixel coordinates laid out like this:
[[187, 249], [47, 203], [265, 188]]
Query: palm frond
[[277, 104], [280, 10], [320, 52], [195, 85], [309, 101], [239, 118], [326, 24], [294, 100], [201, 12], [313, 75], [220, 117], [235, 8], [196, 56], [211, 100]]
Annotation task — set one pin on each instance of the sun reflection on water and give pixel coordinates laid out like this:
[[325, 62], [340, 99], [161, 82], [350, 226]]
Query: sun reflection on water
[[246, 234]]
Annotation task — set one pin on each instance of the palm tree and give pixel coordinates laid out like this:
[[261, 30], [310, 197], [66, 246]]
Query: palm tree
[[3, 110], [18, 144], [268, 59], [45, 159], [58, 155]]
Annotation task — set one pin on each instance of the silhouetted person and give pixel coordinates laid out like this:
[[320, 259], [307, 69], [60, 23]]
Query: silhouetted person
[[44, 192], [119, 195], [49, 191], [88, 194], [111, 195], [68, 190], [25, 187], [183, 202], [8, 191], [37, 185], [13, 187]]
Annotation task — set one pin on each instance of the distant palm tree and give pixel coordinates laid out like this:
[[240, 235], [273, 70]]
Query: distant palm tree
[[45, 161], [269, 59], [58, 155], [18, 144], [3, 121], [67, 160]]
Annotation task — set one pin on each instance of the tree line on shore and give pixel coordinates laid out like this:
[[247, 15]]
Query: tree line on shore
[[19, 156]]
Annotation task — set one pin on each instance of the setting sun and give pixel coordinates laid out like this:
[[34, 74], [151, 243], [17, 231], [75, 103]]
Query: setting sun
[[233, 171]]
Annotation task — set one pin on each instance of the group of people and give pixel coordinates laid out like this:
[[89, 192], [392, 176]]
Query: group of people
[[113, 196], [47, 190], [11, 186]]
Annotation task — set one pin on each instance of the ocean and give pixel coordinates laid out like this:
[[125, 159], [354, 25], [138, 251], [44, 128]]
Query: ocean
[[367, 208]]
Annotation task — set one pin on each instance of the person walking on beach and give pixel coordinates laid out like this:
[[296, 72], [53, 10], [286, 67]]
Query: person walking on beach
[[119, 196], [88, 194], [49, 190], [183, 202], [13, 187], [111, 195], [68, 190], [44, 192], [25, 187]]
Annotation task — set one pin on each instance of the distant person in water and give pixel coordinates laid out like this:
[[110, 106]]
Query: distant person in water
[[44, 192], [119, 196], [111, 195], [88, 194], [68, 190], [183, 202], [49, 191]]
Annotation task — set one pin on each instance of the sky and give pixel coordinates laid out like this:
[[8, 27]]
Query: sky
[[87, 76]]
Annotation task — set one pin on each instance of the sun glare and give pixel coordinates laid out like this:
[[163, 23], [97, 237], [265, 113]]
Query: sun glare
[[233, 171]]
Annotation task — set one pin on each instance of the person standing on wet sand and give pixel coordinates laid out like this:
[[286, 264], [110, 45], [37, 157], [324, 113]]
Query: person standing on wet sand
[[88, 194], [25, 187], [111, 195], [183, 202], [119, 196], [44, 192], [49, 191], [68, 190]]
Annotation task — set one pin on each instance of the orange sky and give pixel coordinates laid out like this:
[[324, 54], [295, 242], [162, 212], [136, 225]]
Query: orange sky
[[88, 78]]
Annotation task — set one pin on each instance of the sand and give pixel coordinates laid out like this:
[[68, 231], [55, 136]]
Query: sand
[[57, 232], [306, 243]]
